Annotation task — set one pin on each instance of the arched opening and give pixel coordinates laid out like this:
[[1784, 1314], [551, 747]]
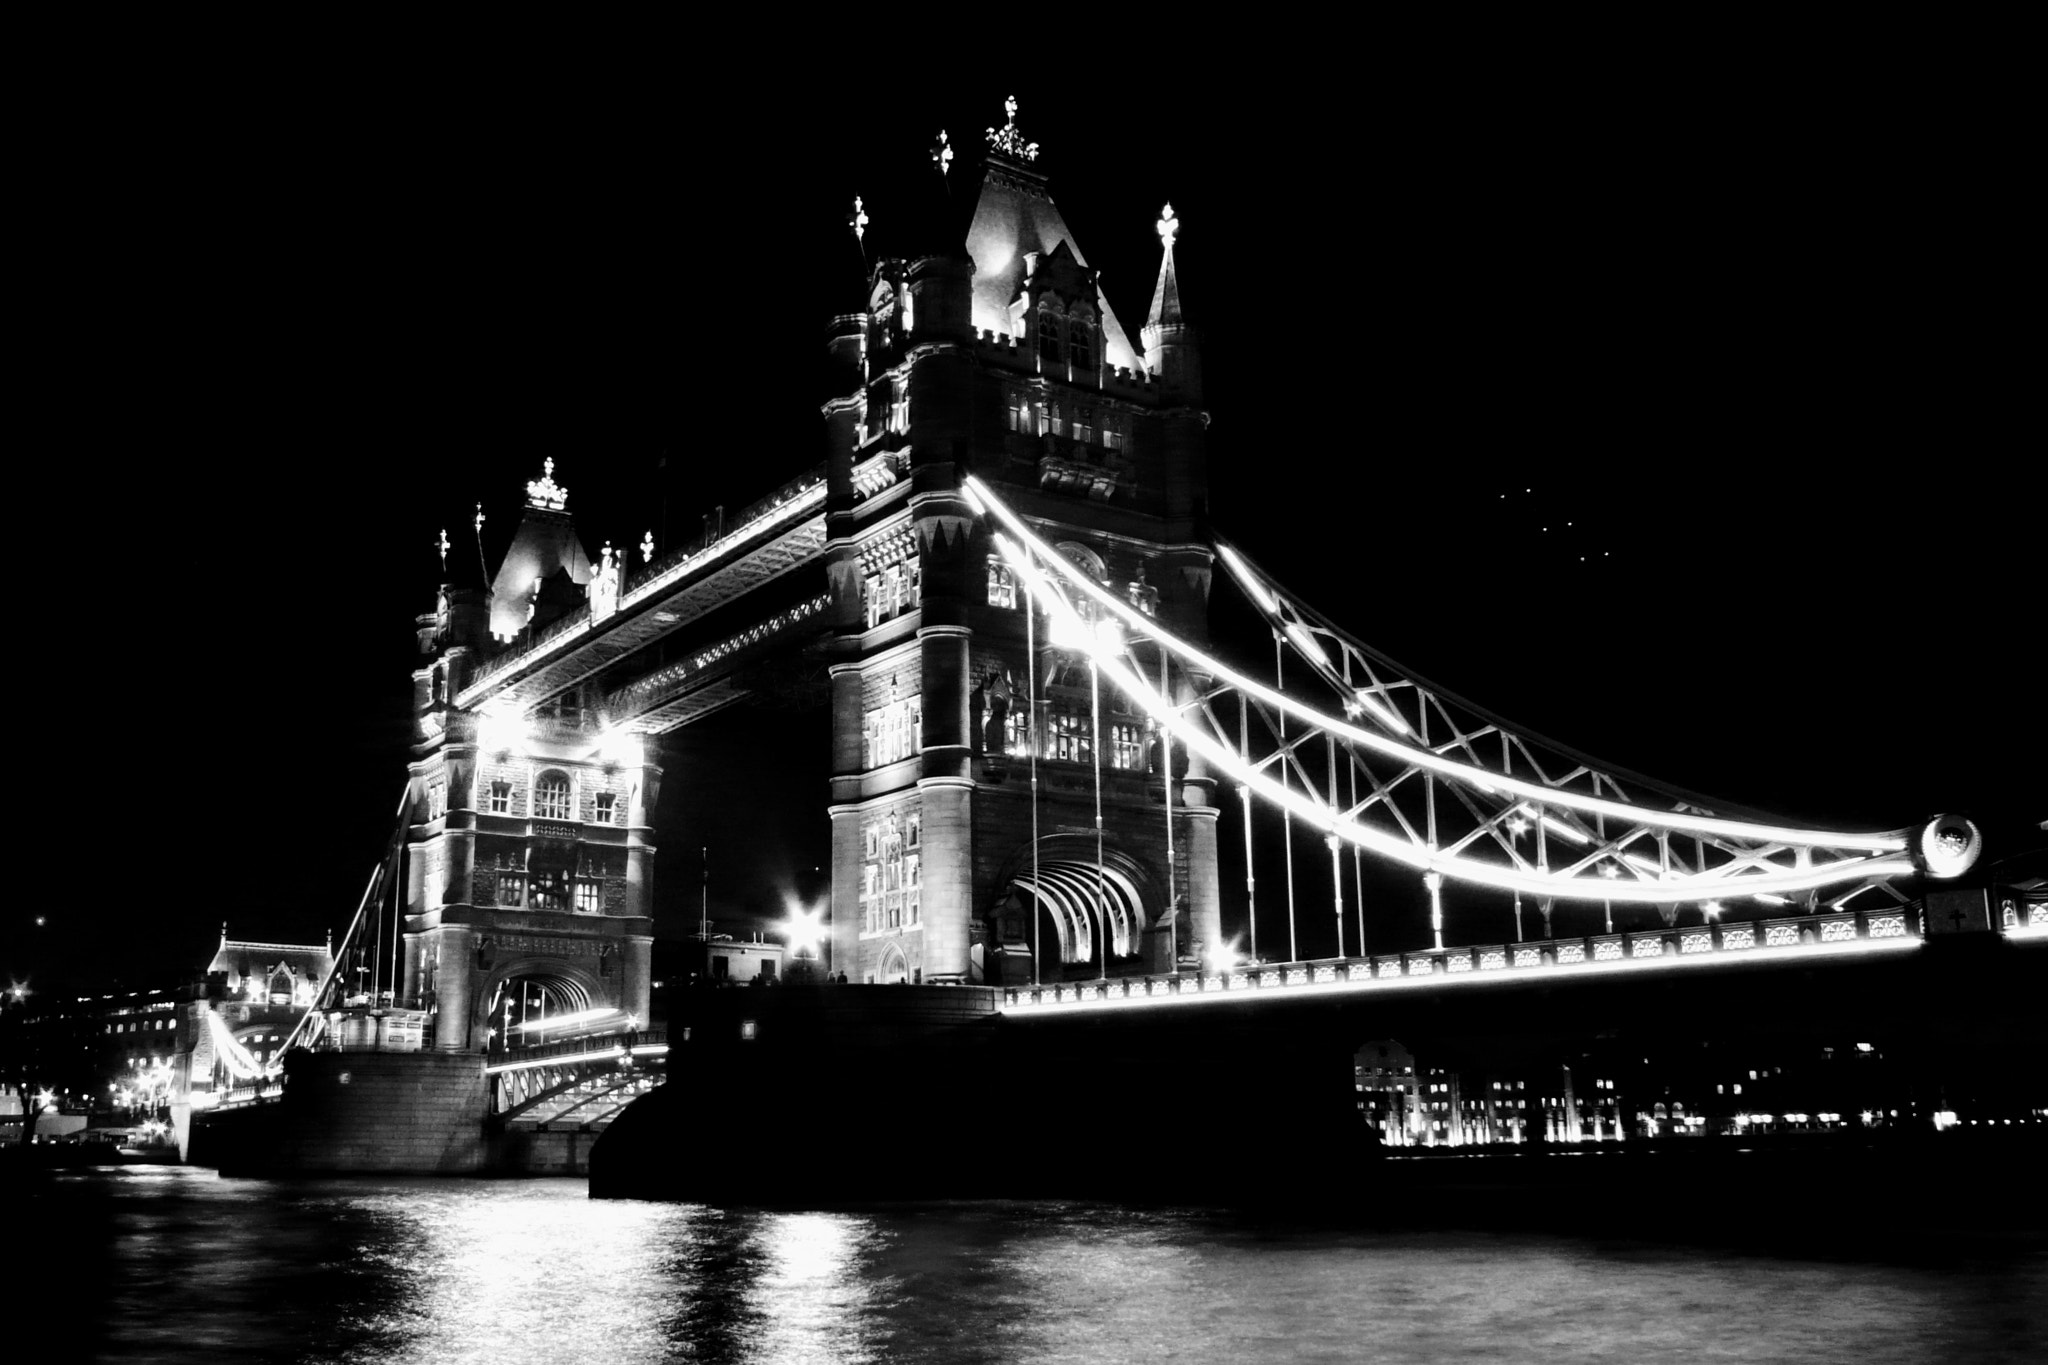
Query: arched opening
[[537, 1008], [894, 968], [1080, 909]]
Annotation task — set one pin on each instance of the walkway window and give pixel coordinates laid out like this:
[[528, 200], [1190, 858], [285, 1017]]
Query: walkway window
[[551, 797]]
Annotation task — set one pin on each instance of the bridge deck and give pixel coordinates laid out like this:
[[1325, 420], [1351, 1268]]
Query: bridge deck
[[1676, 949]]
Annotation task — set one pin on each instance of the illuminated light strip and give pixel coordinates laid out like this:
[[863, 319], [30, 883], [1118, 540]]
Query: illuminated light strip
[[575, 1020], [1564, 831], [1387, 714], [1306, 643], [1450, 981], [1245, 578], [1887, 842], [560, 1059], [1400, 850]]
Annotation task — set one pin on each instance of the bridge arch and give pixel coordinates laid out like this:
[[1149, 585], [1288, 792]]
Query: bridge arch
[[1058, 891], [526, 990]]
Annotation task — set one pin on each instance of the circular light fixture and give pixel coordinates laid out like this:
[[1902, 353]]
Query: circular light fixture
[[1948, 845]]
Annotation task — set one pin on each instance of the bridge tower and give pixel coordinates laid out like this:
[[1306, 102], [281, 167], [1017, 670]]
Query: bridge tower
[[986, 346], [529, 856]]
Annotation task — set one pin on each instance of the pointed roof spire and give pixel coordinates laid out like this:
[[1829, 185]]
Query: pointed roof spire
[[1166, 294]]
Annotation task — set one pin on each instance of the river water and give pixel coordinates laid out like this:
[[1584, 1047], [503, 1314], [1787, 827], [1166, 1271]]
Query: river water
[[158, 1263]]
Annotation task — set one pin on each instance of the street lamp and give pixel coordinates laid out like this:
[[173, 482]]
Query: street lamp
[[804, 929], [1224, 958], [1609, 871]]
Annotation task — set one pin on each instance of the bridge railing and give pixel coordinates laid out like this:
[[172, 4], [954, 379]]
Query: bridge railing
[[1820, 932]]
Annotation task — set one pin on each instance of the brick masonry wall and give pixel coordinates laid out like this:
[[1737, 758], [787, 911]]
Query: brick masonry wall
[[396, 1113]]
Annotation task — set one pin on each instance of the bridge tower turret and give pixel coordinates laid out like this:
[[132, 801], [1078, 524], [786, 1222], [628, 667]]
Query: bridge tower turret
[[990, 348], [528, 820]]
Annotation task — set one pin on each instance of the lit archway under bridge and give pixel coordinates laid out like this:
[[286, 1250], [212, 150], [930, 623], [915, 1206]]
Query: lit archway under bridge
[[1064, 893]]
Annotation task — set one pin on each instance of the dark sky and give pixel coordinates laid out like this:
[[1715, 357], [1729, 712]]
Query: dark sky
[[1677, 417]]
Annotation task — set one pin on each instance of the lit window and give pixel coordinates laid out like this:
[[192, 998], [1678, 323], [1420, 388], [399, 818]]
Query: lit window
[[1127, 748], [551, 797], [1002, 586], [892, 591], [1067, 737], [892, 731], [501, 798], [607, 807], [547, 891], [437, 799], [589, 897]]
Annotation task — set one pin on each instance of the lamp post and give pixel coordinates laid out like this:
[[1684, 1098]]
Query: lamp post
[[1517, 827], [1609, 871]]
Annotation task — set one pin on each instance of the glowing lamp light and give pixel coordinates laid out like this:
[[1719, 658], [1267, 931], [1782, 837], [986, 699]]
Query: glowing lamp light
[[804, 929], [1712, 909], [502, 733], [1948, 846], [1224, 958], [620, 748]]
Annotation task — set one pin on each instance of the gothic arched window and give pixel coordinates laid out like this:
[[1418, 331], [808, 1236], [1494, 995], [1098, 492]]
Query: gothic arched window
[[1049, 329], [551, 796], [1081, 340]]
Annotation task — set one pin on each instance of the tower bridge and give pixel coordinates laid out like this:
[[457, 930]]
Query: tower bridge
[[1003, 565]]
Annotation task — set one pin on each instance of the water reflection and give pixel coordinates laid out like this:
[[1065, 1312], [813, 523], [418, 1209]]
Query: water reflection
[[178, 1265]]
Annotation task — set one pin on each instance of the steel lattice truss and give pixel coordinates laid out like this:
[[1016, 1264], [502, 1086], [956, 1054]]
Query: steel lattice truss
[[1411, 773]]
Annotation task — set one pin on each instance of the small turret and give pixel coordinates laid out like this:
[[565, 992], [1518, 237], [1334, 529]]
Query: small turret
[[1171, 353]]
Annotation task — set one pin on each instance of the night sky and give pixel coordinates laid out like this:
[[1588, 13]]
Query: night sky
[[1683, 424]]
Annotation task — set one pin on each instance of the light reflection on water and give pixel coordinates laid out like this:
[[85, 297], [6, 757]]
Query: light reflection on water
[[189, 1267]]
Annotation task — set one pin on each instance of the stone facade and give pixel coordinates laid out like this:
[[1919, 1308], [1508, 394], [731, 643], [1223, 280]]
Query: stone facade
[[1004, 360]]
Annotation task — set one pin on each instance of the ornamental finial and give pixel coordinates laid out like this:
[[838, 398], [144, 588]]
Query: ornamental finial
[[1168, 226], [1008, 139], [647, 548], [942, 153], [544, 492], [442, 545], [858, 221]]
